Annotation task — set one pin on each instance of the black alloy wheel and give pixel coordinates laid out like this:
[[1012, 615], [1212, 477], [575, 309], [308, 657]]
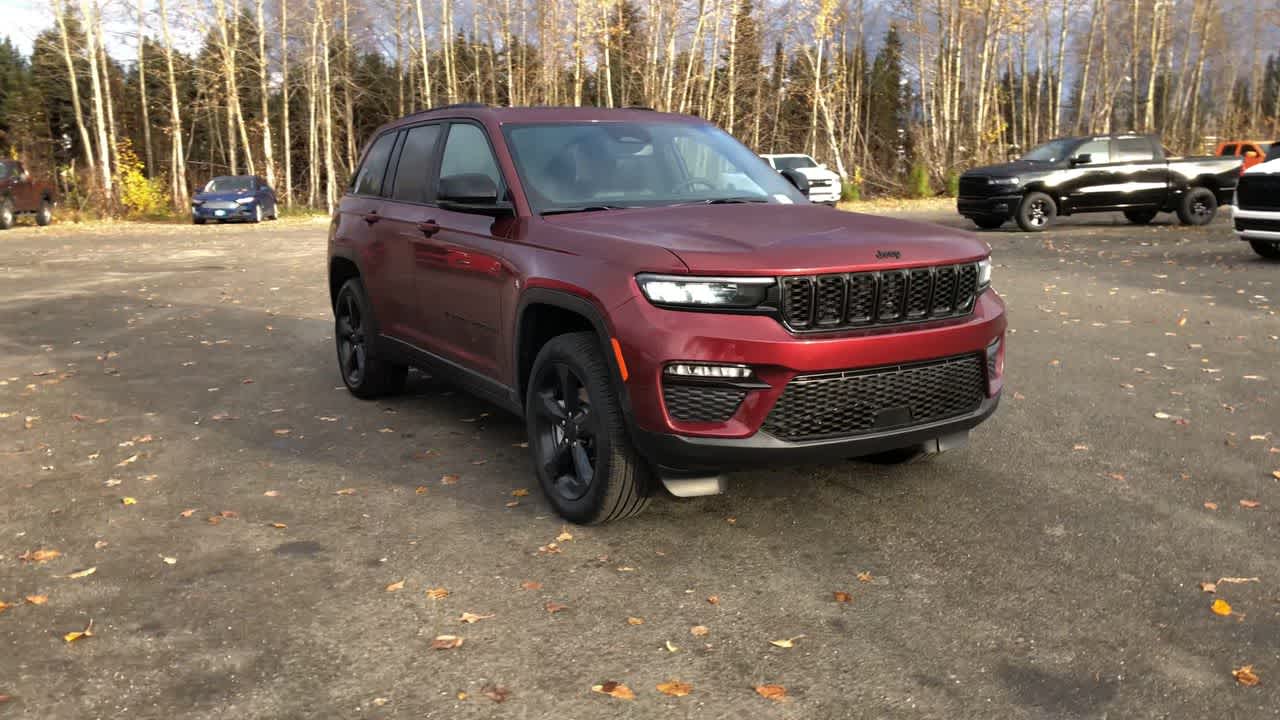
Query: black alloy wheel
[[352, 354], [1036, 212], [566, 431], [1198, 207], [6, 213], [365, 374]]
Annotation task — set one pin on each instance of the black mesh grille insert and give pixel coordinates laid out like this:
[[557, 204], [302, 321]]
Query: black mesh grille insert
[[1258, 192], [843, 404], [830, 302], [1257, 224], [701, 403], [974, 186]]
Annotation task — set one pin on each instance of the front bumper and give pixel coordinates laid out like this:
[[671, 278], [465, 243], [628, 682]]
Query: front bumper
[[1256, 224], [239, 212], [650, 338], [828, 194], [993, 206]]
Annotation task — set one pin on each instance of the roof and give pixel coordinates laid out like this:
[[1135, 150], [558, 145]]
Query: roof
[[503, 115]]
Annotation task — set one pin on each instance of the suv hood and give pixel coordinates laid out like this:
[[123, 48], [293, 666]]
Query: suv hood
[[817, 173], [760, 239], [1010, 169], [233, 195]]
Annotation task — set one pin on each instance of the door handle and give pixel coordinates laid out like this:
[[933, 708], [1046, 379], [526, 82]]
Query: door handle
[[372, 217], [429, 227]]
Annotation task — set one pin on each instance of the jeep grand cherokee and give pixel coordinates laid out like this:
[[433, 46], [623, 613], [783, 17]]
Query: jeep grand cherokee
[[655, 301]]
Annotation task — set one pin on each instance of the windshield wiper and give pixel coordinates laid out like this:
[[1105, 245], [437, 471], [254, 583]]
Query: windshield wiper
[[582, 209], [734, 200]]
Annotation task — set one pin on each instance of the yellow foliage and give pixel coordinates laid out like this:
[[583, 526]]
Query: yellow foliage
[[140, 195]]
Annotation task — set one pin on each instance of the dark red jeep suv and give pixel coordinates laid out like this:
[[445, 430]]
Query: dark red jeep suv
[[657, 302]]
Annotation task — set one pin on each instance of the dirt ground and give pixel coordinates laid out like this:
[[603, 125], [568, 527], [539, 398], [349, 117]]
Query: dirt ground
[[262, 544]]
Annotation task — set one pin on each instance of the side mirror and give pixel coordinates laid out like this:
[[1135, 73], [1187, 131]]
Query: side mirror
[[1082, 159], [471, 192], [795, 177]]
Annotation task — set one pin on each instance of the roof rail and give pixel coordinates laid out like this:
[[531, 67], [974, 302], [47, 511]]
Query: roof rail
[[453, 106]]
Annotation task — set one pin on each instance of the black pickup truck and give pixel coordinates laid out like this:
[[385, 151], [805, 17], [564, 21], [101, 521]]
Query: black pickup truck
[[1127, 173]]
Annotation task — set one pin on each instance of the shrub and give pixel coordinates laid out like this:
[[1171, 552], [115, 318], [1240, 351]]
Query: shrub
[[140, 195], [953, 184], [851, 190], [918, 182]]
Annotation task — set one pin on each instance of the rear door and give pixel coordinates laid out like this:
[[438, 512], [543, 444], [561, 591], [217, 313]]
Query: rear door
[[381, 258], [461, 267], [1142, 175]]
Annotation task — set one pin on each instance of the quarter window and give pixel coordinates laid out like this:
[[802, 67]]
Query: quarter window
[[413, 172], [467, 152], [369, 181]]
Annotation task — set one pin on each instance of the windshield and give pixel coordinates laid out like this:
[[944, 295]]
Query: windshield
[[1274, 152], [594, 165], [231, 183], [793, 162], [1050, 151]]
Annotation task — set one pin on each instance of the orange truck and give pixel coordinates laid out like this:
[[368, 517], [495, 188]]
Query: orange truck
[[1251, 152]]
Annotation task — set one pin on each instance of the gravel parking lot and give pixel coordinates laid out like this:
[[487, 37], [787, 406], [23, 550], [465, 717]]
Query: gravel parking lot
[[264, 545]]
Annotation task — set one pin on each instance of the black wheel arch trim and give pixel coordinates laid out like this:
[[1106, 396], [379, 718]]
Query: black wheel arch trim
[[594, 315]]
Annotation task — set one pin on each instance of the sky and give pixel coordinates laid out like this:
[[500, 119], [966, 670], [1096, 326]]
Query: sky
[[24, 19]]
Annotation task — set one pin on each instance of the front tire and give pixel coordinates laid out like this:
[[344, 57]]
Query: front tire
[[1268, 250], [989, 222], [1198, 207], [44, 215], [583, 457], [364, 372], [197, 221], [6, 214], [1036, 212], [257, 213], [1140, 217]]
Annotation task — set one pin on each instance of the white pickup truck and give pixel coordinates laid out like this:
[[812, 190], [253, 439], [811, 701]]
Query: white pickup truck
[[824, 184], [1257, 206]]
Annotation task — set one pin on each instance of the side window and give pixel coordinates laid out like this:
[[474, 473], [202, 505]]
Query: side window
[[369, 181], [1132, 150], [1098, 150], [467, 152], [413, 172], [1228, 150]]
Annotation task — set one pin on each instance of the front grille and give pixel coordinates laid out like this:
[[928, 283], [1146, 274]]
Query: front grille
[[701, 403], [974, 186], [1257, 224], [819, 183], [855, 402], [828, 302], [221, 205], [1258, 192]]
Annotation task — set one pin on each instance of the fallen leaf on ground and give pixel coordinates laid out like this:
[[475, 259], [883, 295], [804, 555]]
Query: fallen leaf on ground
[[787, 643], [672, 647], [446, 642], [272, 493], [345, 491], [771, 692], [1250, 504], [1209, 587], [521, 492], [1275, 474], [437, 593], [187, 513], [554, 607], [448, 479], [1118, 477], [614, 689], [128, 501], [513, 503], [675, 688], [496, 693], [128, 461], [40, 556], [36, 599], [841, 596], [228, 514], [1221, 607], [82, 573], [398, 585], [635, 621], [564, 536], [279, 525], [531, 585], [699, 631], [4, 606], [1208, 505], [713, 599], [1237, 580], [420, 490], [548, 549], [380, 701], [77, 634], [864, 576], [472, 618], [100, 544], [282, 431], [1245, 676]]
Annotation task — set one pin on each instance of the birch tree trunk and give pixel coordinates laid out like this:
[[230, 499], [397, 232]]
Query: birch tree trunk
[[286, 149], [59, 12], [268, 155], [177, 157], [99, 114]]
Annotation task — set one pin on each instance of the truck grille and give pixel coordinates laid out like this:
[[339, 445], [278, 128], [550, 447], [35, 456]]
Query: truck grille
[[830, 302], [855, 402], [701, 403], [1258, 192], [819, 183], [1257, 224], [974, 186]]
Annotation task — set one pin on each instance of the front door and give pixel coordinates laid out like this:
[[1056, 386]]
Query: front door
[[1089, 184]]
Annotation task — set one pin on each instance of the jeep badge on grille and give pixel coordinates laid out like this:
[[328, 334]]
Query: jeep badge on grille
[[888, 255]]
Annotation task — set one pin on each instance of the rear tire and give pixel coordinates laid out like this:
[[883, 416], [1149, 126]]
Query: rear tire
[[583, 457], [1036, 212], [1267, 249], [1198, 207], [365, 373], [1140, 217], [44, 215], [6, 214], [989, 222]]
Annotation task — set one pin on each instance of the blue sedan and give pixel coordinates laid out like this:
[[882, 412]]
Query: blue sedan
[[234, 197]]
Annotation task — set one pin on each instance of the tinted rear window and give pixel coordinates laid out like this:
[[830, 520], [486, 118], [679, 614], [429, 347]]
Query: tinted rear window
[[1274, 152], [1227, 150], [413, 172], [369, 181], [1132, 150]]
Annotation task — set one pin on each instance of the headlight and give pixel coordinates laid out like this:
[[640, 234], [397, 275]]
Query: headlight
[[196, 203], [685, 291], [984, 274], [245, 200], [1003, 181]]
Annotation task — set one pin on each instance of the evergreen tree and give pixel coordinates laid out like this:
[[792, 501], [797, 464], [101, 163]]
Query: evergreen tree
[[887, 113]]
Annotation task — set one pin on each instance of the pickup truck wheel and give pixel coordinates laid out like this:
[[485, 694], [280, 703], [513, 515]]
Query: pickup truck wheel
[[1198, 207], [1140, 217], [6, 214], [44, 215], [1268, 250], [988, 222], [365, 374], [583, 457], [1036, 212]]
